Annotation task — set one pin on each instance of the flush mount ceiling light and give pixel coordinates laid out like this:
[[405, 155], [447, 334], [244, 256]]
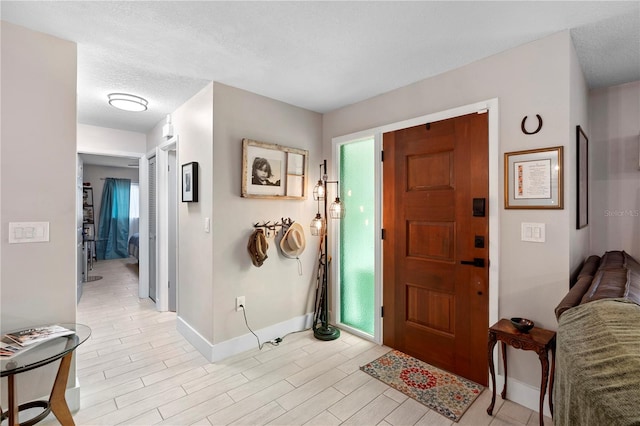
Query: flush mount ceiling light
[[127, 102]]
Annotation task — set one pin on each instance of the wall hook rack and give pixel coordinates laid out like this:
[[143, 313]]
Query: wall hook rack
[[268, 226]]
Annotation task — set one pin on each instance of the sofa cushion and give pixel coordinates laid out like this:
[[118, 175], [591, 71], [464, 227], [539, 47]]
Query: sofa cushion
[[574, 296], [612, 260], [607, 284], [589, 267], [632, 290]]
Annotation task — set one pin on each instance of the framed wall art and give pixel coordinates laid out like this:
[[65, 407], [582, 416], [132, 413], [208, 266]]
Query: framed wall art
[[533, 179], [190, 182], [273, 171], [582, 201]]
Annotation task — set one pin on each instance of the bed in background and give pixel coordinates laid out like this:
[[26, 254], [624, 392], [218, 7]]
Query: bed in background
[[134, 245]]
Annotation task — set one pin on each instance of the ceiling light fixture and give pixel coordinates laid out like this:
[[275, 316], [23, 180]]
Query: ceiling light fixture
[[127, 102]]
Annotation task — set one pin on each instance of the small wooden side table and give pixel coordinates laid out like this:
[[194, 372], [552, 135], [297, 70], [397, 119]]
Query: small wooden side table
[[537, 339]]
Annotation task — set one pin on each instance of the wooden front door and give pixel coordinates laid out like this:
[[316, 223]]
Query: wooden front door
[[436, 249]]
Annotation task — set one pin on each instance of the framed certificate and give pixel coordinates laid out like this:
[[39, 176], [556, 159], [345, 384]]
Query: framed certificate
[[533, 179]]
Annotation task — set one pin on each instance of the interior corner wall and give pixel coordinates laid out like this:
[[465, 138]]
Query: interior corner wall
[[528, 80], [193, 125], [38, 184], [614, 142], [579, 244], [274, 292]]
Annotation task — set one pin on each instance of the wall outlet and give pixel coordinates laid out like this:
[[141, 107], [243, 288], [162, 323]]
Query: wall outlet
[[240, 301]]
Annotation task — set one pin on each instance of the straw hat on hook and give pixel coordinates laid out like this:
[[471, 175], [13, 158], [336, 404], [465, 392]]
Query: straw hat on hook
[[293, 242]]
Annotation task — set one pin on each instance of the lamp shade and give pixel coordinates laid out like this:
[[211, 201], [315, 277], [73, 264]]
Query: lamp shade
[[318, 191], [337, 210], [317, 226]]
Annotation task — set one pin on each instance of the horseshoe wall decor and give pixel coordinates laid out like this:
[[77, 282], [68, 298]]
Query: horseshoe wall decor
[[536, 130]]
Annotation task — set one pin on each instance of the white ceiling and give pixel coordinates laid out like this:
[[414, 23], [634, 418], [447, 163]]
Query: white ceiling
[[316, 55]]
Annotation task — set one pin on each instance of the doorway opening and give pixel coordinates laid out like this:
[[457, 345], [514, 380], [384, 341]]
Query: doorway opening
[[92, 172]]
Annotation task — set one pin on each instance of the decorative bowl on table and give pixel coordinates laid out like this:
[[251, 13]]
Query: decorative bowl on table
[[522, 324]]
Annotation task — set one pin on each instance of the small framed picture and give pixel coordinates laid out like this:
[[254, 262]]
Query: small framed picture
[[533, 179], [190, 182], [582, 178], [273, 171]]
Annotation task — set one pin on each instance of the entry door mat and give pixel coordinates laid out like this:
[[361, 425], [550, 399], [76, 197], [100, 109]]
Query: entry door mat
[[443, 392]]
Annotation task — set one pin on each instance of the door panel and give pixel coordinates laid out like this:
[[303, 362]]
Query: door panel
[[437, 307], [152, 228]]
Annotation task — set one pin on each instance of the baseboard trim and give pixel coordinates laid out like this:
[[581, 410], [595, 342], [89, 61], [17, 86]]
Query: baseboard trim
[[222, 350], [523, 394]]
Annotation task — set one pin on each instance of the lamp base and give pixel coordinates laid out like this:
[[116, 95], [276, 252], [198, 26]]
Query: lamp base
[[327, 332]]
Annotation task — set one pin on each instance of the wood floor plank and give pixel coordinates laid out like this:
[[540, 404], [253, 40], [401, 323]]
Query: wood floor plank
[[309, 409], [201, 396], [374, 412], [195, 413], [310, 389], [357, 399], [261, 416], [157, 388], [407, 413], [251, 403]]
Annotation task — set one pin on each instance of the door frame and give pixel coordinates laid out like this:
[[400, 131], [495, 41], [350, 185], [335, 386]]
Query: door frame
[[495, 193], [161, 152]]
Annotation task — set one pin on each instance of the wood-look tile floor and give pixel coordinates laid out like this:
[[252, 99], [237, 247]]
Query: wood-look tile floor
[[136, 369]]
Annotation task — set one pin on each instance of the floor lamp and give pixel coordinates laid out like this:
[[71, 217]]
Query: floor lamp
[[319, 227]]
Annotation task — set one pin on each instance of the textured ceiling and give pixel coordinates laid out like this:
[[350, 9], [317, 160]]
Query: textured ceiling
[[316, 55]]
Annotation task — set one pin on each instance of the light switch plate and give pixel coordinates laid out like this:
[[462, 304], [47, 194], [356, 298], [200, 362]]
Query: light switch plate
[[28, 232], [533, 232]]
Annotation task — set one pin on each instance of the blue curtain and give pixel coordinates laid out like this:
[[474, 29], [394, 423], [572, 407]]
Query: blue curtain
[[113, 230]]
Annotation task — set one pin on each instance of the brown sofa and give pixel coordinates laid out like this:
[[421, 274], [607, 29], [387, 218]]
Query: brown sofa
[[597, 379]]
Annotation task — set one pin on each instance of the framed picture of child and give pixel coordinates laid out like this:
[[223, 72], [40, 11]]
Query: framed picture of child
[[273, 171]]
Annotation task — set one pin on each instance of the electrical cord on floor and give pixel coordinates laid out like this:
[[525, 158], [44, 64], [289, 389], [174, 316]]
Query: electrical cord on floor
[[274, 342]]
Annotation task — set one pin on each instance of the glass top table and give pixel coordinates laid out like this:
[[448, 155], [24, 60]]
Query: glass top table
[[41, 354]]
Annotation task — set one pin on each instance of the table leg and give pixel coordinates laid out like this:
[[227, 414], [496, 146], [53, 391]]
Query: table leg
[[57, 400], [13, 401], [492, 344], [544, 361], [504, 361]]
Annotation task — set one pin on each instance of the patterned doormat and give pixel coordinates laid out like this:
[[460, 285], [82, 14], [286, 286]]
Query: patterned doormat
[[94, 278], [443, 392]]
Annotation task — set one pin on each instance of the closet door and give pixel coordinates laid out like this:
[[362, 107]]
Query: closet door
[[152, 228]]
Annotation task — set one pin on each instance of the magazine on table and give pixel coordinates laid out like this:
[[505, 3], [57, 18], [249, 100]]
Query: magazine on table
[[9, 348], [32, 335]]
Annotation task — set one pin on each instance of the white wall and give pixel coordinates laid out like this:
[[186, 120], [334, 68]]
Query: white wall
[[528, 80], [106, 141], [38, 183], [274, 292], [614, 141]]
